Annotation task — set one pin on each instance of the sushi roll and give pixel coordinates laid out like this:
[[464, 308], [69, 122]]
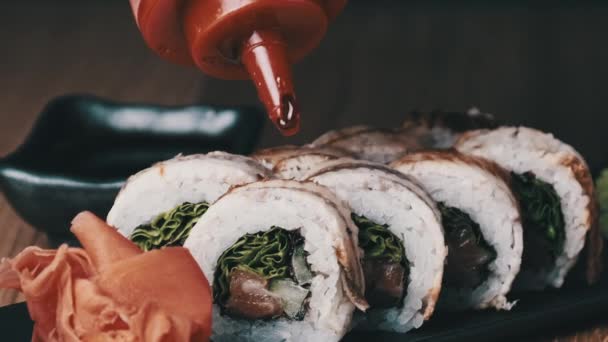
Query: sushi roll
[[283, 262], [158, 206], [401, 237], [270, 157], [439, 129], [481, 222], [555, 191], [373, 144]]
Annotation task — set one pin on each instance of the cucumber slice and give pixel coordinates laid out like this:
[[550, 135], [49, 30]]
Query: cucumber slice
[[292, 296], [300, 267]]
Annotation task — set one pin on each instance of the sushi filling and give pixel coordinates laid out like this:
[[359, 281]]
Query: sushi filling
[[543, 221], [170, 228], [264, 276], [385, 265], [469, 254]]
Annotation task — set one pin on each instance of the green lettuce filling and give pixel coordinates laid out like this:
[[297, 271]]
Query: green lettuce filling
[[267, 254], [170, 228], [542, 218], [378, 242], [602, 197]]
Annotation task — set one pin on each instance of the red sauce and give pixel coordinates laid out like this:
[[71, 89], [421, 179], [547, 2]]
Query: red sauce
[[241, 39]]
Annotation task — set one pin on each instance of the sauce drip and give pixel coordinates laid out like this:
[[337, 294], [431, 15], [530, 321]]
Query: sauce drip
[[288, 117]]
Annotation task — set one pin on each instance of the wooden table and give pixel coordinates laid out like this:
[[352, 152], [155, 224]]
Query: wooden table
[[397, 60]]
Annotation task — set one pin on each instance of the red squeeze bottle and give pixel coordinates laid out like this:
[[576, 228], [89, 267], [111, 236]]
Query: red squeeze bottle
[[241, 39]]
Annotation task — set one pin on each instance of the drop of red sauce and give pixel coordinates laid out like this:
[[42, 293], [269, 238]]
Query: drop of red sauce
[[287, 116]]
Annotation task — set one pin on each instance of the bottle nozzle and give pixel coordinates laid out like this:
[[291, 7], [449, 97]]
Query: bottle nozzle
[[265, 58]]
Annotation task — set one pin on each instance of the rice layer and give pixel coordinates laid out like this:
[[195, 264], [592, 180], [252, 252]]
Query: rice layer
[[165, 185]]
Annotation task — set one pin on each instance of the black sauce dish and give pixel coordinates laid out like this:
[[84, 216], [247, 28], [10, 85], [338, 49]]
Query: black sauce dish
[[82, 148]]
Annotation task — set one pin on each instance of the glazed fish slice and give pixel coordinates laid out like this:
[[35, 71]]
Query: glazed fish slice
[[439, 129], [482, 226], [555, 189], [270, 157], [374, 144], [302, 244], [401, 236], [298, 166], [158, 205]]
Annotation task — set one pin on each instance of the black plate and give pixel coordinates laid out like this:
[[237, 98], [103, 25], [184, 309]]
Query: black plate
[[82, 148], [536, 314]]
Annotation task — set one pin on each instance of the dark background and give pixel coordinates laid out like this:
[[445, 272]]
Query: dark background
[[543, 65]]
